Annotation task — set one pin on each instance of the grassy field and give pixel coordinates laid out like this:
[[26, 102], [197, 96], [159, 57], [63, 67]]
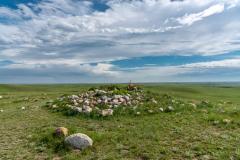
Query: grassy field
[[186, 134]]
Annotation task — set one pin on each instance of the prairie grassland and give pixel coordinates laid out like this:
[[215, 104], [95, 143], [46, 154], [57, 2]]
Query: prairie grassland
[[200, 133]]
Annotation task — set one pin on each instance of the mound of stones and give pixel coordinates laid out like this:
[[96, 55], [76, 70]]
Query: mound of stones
[[99, 101]]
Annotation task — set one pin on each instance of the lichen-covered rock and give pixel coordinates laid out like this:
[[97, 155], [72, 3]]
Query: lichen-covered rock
[[79, 141], [61, 131]]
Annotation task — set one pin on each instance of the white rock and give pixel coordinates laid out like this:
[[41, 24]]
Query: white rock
[[150, 111], [23, 108], [115, 106], [80, 101], [74, 97], [101, 91], [170, 108], [86, 102], [87, 109], [115, 102], [76, 104], [54, 106], [126, 98], [193, 105], [1, 97], [1, 110], [104, 98], [154, 101], [121, 100], [78, 109], [99, 101], [107, 112], [161, 109], [138, 113], [226, 121], [79, 141], [117, 96]]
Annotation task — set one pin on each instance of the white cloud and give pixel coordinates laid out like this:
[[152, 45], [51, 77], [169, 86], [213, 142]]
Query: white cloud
[[227, 63], [194, 17], [71, 33]]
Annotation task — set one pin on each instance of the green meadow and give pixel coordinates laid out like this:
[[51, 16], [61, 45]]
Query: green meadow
[[201, 133]]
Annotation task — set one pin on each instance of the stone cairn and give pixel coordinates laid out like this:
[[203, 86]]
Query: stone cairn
[[102, 101]]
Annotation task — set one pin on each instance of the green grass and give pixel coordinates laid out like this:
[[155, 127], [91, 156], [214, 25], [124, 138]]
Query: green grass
[[183, 134]]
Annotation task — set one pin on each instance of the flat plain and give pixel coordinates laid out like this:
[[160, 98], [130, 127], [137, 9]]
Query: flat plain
[[198, 133]]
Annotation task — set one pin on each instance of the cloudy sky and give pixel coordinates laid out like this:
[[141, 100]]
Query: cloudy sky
[[77, 41]]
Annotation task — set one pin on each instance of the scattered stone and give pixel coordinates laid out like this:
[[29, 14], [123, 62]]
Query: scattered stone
[[107, 112], [61, 131], [161, 109], [206, 157], [138, 113], [227, 121], [54, 106], [150, 111], [215, 122], [193, 105], [169, 109], [154, 101], [79, 141]]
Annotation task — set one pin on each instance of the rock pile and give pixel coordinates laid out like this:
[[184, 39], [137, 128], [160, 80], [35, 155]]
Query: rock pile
[[101, 101]]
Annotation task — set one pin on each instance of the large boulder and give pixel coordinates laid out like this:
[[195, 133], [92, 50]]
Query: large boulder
[[79, 141]]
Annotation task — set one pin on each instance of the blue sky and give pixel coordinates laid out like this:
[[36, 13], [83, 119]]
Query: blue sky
[[111, 41]]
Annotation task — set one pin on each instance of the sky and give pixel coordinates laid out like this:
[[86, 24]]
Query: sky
[[115, 41]]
